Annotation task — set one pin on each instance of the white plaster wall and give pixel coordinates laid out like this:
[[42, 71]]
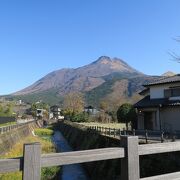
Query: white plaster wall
[[157, 91]]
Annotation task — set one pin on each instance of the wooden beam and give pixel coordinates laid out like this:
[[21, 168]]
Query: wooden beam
[[11, 165], [170, 176], [158, 148], [57, 159]]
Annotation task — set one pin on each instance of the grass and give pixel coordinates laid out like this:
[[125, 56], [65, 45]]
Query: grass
[[43, 132], [107, 125], [17, 150], [8, 124]]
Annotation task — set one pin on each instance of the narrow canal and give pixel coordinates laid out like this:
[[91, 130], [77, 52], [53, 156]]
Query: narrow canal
[[69, 172]]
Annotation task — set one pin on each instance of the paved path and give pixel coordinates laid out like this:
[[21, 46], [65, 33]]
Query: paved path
[[69, 172]]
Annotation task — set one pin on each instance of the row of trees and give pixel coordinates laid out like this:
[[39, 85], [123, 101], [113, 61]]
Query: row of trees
[[74, 105]]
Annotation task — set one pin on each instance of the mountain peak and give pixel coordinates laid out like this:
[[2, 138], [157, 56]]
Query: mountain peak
[[103, 60], [169, 73]]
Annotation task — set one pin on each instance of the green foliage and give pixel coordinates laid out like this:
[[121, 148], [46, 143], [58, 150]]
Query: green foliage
[[49, 172], [43, 132], [97, 94], [81, 117], [126, 113], [6, 110], [8, 124], [42, 105], [50, 96]]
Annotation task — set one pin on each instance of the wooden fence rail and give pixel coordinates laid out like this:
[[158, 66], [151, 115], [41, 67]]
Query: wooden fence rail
[[147, 135], [129, 152]]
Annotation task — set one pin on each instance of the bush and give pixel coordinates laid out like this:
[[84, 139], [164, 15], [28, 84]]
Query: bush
[[82, 117], [126, 113], [43, 132]]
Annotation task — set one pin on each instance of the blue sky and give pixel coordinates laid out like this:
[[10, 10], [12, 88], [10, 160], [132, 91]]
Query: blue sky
[[39, 36]]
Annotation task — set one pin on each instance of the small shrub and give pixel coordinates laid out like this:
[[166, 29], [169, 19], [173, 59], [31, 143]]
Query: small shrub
[[49, 172], [43, 132]]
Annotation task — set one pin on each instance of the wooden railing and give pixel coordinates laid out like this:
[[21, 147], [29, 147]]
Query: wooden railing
[[147, 135], [129, 152]]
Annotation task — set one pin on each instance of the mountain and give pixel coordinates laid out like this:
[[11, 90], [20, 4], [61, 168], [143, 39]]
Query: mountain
[[81, 79], [97, 80], [168, 73]]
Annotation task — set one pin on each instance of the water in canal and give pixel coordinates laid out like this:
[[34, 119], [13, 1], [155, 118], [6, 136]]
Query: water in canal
[[69, 172]]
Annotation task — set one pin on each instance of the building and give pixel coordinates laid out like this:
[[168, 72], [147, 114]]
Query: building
[[91, 110], [160, 108], [55, 112], [40, 113]]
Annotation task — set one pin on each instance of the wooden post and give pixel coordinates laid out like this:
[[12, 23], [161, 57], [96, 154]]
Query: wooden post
[[32, 161], [173, 137], [120, 134], [146, 136], [134, 132], [130, 164], [124, 131], [162, 137]]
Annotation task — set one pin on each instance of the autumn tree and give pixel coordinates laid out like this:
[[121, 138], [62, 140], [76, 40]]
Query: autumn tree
[[73, 103]]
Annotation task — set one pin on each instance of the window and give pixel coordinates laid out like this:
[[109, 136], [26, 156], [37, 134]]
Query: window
[[174, 92]]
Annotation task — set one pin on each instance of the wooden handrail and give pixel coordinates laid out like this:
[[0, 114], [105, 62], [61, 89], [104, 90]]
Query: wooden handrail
[[129, 153]]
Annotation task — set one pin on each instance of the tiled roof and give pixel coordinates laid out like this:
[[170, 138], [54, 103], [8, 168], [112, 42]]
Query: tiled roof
[[164, 80], [147, 102]]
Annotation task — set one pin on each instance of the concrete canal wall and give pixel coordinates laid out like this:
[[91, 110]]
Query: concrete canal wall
[[80, 138], [7, 140]]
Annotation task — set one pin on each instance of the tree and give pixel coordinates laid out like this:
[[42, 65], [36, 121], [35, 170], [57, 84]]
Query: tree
[[73, 103], [6, 110], [41, 105], [126, 113]]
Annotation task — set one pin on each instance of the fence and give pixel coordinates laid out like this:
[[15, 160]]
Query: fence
[[5, 129], [129, 152], [147, 135]]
